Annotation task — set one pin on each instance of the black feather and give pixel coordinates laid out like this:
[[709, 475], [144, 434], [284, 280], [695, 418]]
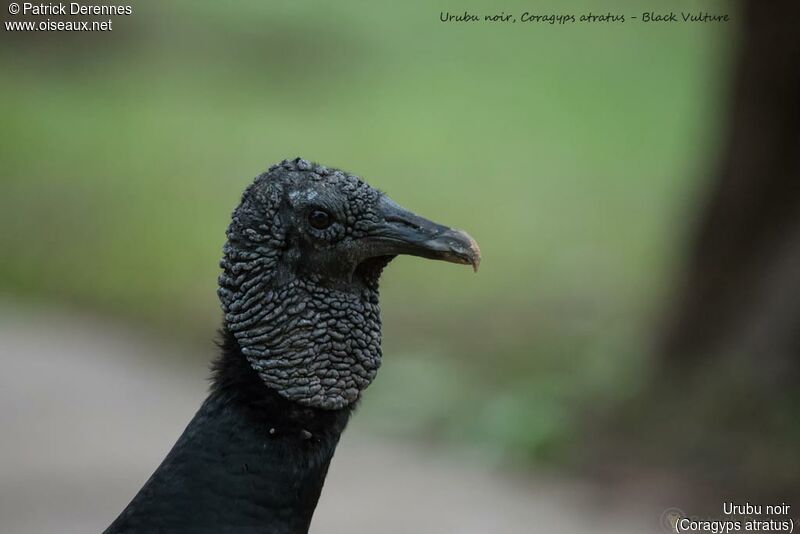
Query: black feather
[[250, 461]]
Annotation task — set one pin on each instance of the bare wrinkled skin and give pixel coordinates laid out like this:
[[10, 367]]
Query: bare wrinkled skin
[[307, 319]]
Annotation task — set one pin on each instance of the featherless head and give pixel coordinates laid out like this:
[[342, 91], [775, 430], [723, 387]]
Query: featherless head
[[299, 287]]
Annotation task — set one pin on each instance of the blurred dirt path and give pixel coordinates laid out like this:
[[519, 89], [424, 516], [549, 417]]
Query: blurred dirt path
[[88, 409]]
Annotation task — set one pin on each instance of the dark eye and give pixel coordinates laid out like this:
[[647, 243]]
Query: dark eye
[[320, 219]]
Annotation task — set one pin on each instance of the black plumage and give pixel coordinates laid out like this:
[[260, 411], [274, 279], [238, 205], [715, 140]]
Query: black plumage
[[300, 341]]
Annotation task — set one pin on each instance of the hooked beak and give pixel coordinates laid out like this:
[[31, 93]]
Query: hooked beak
[[403, 232]]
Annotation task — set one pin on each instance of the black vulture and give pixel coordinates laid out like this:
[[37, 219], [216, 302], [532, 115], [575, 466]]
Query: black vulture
[[301, 339]]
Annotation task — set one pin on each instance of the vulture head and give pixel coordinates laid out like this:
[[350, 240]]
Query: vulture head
[[299, 287]]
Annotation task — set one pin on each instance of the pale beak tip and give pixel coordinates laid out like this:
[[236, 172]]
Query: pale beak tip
[[475, 251]]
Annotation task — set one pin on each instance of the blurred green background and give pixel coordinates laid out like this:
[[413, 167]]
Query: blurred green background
[[573, 154]]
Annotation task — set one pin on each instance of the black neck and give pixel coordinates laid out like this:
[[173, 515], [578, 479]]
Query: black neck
[[250, 461]]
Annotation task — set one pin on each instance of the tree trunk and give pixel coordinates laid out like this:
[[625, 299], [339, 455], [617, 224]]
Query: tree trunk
[[723, 403], [741, 291]]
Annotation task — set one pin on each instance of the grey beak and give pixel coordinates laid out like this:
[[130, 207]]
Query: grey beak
[[404, 232]]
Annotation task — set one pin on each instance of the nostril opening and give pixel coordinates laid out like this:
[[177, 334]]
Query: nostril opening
[[404, 222]]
